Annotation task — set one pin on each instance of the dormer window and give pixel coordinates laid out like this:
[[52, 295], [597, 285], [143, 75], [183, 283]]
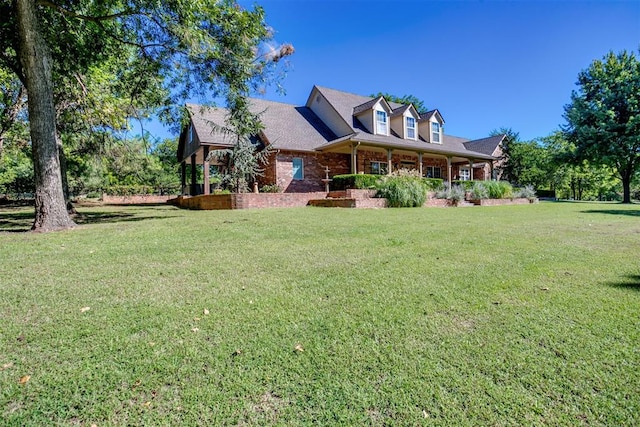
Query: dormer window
[[435, 132], [411, 128], [381, 123]]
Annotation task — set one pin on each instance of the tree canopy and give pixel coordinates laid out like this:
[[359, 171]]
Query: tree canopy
[[603, 117], [167, 50]]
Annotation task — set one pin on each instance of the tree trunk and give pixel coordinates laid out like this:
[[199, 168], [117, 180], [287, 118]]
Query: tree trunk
[[63, 174], [626, 188], [51, 210]]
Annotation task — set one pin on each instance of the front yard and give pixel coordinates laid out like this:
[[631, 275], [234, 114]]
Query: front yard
[[512, 315]]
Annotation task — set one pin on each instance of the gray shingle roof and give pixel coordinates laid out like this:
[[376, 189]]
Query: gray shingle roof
[[450, 145], [429, 114], [485, 145], [286, 126], [400, 110], [366, 106], [298, 128]]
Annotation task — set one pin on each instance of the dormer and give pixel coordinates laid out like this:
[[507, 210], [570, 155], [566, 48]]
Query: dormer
[[374, 116], [404, 122], [430, 126]]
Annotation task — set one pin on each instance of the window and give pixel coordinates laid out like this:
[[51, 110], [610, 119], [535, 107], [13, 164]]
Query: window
[[381, 123], [411, 128], [464, 174], [407, 164], [298, 169], [434, 172], [379, 168], [190, 133], [435, 132]]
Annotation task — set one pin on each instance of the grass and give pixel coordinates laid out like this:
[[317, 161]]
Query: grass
[[512, 315]]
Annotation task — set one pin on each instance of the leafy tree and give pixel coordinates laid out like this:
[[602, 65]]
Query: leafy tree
[[573, 178], [506, 166], [12, 103], [242, 163], [603, 118], [529, 164], [193, 48], [406, 99]]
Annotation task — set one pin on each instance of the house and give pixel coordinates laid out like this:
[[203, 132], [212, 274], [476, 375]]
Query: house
[[341, 133]]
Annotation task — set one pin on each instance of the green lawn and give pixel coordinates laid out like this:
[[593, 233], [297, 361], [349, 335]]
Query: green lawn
[[513, 315]]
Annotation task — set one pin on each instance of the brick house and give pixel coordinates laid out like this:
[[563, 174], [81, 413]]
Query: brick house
[[341, 132]]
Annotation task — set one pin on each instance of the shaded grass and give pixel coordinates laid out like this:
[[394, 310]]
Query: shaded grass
[[495, 315]]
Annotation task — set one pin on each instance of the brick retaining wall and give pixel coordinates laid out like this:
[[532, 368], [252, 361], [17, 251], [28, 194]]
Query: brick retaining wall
[[248, 200], [135, 200]]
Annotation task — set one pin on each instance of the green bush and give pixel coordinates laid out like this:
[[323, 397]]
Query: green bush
[[526, 192], [270, 188], [499, 189], [479, 191], [466, 185], [402, 191], [433, 184], [354, 181]]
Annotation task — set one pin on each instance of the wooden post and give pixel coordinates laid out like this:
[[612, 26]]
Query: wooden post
[[183, 177], [420, 163], [470, 169], [389, 154], [449, 172], [354, 159], [193, 191], [205, 169]]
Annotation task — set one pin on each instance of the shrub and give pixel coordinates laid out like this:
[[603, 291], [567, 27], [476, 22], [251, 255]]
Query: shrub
[[271, 188], [354, 181], [402, 191], [457, 194], [499, 189], [526, 192], [479, 191], [466, 185], [433, 184]]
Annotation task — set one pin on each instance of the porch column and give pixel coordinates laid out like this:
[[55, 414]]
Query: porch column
[[192, 191], [420, 163], [205, 169], [354, 159], [492, 177], [183, 177], [449, 173], [470, 169], [389, 153]]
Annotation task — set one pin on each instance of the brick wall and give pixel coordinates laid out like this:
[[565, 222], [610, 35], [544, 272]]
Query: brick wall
[[314, 170], [134, 200], [248, 200]]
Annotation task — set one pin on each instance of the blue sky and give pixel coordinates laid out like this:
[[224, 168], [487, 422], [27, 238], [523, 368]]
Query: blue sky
[[483, 64]]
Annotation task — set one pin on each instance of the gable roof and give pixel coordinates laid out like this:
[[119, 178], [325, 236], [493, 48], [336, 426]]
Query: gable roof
[[286, 126], [426, 116], [485, 145], [403, 108], [368, 105]]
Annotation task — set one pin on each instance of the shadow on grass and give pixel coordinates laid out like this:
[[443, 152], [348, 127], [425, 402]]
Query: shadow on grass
[[626, 212], [629, 281], [19, 222], [16, 222]]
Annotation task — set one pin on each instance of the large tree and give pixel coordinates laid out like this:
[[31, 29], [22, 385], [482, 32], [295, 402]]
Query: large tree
[[603, 118], [197, 47]]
